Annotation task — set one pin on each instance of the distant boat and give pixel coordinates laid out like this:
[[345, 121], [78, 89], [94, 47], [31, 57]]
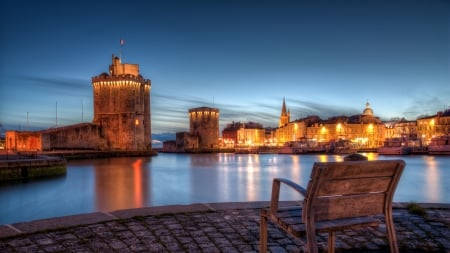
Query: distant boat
[[342, 147], [267, 150], [245, 151], [394, 146], [439, 145], [293, 147]]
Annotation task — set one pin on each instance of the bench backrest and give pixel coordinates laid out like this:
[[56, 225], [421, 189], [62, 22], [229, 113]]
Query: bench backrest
[[351, 189]]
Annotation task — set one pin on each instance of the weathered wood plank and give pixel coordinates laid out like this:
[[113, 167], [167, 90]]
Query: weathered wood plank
[[354, 186], [346, 207], [358, 169]]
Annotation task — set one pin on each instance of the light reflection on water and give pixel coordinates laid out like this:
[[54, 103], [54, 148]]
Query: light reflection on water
[[119, 183], [432, 179]]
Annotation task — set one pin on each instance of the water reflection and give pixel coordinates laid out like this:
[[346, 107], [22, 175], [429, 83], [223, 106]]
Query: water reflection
[[432, 179], [120, 183], [371, 156]]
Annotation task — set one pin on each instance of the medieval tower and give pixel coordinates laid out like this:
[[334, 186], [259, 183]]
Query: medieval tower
[[122, 106], [204, 123]]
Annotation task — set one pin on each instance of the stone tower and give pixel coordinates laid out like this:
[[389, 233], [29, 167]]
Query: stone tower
[[122, 107], [285, 116], [204, 123]]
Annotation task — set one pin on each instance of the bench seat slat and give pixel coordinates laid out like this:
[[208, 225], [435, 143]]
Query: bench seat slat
[[348, 206], [294, 225]]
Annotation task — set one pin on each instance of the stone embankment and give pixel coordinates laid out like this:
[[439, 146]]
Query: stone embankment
[[20, 166], [25, 166], [217, 227], [93, 154]]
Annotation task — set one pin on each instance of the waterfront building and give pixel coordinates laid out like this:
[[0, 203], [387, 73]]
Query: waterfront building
[[121, 117], [249, 134], [296, 130], [401, 128], [186, 142], [270, 138], [320, 133], [432, 126], [169, 146], [230, 134], [363, 130], [407, 130]]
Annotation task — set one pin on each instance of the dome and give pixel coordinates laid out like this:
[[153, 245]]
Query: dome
[[368, 111]]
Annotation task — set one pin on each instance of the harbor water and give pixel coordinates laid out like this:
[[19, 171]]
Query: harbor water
[[167, 179]]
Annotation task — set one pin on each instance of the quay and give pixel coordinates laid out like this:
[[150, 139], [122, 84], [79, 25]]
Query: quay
[[213, 227], [94, 154], [25, 165], [29, 165]]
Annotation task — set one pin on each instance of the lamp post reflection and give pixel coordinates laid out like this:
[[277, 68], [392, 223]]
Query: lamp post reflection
[[432, 180]]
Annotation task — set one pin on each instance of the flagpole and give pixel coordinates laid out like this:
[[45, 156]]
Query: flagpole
[[81, 110], [121, 42]]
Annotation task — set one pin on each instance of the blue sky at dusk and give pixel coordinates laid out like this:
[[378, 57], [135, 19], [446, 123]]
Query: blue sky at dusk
[[327, 58]]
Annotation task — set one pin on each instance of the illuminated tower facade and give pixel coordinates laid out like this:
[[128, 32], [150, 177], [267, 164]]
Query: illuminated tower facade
[[122, 107], [204, 123]]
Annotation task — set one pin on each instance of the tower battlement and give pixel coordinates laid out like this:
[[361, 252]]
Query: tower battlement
[[118, 68]]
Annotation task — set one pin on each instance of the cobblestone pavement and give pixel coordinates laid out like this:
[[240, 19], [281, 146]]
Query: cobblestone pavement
[[232, 227]]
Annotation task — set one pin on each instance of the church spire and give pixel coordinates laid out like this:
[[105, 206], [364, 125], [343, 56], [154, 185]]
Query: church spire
[[285, 115], [283, 108]]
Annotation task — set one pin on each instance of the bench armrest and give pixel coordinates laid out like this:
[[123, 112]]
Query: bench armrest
[[276, 192]]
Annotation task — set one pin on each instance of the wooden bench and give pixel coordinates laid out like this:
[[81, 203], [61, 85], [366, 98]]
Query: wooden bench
[[339, 196]]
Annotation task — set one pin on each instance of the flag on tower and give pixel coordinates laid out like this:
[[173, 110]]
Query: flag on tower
[[122, 42]]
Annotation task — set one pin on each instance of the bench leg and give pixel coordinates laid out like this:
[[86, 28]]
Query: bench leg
[[331, 241], [263, 232], [311, 241], [391, 232]]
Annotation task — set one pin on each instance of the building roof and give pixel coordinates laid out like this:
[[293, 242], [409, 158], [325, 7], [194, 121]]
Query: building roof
[[368, 111]]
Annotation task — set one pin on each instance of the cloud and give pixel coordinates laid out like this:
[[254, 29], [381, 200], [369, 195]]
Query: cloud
[[427, 105], [323, 110], [67, 86], [170, 113]]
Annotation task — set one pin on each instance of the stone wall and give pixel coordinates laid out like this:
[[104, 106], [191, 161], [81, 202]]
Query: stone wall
[[80, 136], [23, 141]]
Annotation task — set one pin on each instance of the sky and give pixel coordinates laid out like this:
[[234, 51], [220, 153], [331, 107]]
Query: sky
[[325, 58]]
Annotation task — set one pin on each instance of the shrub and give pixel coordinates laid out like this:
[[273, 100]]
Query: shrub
[[416, 209]]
